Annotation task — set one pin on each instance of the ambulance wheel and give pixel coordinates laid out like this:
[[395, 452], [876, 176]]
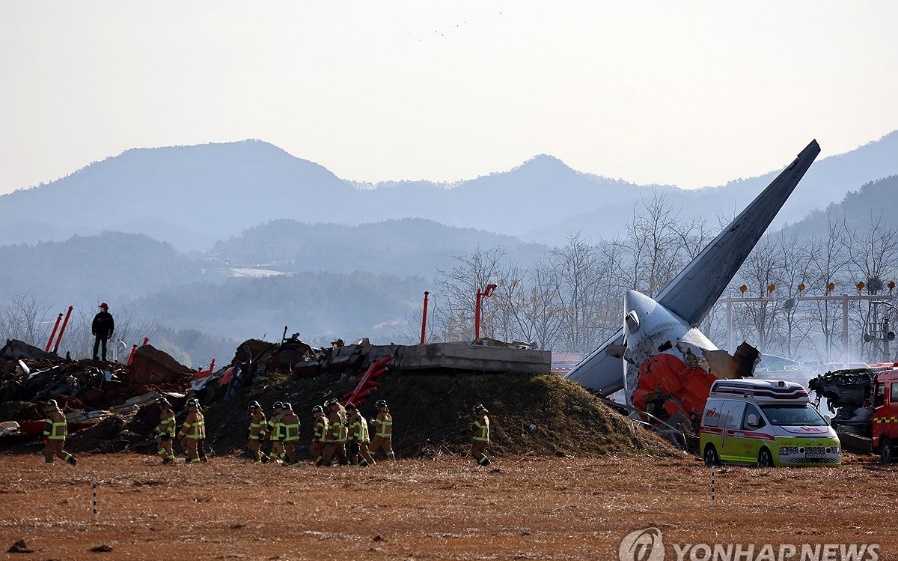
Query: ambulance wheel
[[711, 458], [885, 451], [765, 460]]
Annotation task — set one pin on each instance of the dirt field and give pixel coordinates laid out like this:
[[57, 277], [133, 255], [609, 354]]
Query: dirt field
[[445, 508]]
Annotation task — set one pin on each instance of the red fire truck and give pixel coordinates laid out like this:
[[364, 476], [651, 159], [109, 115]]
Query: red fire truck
[[865, 403]]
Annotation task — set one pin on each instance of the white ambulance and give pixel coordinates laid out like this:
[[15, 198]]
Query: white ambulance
[[767, 423]]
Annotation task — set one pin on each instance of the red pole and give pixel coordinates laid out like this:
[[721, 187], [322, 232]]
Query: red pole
[[212, 366], [478, 308], [62, 329], [53, 333], [477, 316], [146, 340], [423, 318], [131, 355]]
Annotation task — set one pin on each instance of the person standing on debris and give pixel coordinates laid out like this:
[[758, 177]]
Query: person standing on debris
[[102, 328], [358, 438], [319, 435], [257, 424], [165, 431], [275, 432], [193, 431], [56, 429], [480, 430], [335, 443], [383, 427], [291, 424]]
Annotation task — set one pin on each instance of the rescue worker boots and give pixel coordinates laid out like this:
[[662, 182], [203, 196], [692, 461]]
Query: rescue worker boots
[[484, 460]]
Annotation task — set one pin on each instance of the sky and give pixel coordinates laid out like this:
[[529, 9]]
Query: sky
[[689, 93]]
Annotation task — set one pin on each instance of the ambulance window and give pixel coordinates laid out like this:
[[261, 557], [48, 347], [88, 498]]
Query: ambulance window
[[712, 415], [734, 415], [752, 410], [893, 392]]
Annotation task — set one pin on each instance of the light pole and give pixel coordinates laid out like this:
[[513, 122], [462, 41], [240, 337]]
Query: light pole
[[477, 308]]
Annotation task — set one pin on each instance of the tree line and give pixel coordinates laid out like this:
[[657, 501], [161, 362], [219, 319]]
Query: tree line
[[572, 299]]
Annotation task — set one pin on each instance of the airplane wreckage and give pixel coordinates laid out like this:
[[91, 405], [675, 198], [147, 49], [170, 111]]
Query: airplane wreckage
[[662, 362]]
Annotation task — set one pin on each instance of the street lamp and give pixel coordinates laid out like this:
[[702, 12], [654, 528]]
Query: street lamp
[[477, 308]]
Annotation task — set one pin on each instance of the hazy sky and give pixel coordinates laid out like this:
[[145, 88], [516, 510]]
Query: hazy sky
[[689, 93]]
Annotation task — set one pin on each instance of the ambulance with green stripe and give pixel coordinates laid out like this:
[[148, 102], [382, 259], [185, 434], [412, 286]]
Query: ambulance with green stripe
[[766, 423]]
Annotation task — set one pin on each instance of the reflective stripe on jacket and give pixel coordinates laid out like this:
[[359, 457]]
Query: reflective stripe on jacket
[[291, 427], [275, 427], [166, 423], [194, 426], [257, 425], [55, 427], [384, 425], [319, 431], [358, 430], [481, 429]]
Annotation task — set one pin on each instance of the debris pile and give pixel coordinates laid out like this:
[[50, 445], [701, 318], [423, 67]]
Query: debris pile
[[109, 406]]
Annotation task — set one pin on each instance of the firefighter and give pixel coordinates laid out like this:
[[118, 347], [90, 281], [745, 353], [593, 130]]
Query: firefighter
[[201, 443], [257, 424], [165, 431], [383, 431], [193, 431], [275, 428], [480, 431], [55, 431], [358, 438], [319, 435], [291, 424], [335, 443]]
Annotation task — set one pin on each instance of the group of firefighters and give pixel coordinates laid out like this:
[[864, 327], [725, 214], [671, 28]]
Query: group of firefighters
[[339, 433]]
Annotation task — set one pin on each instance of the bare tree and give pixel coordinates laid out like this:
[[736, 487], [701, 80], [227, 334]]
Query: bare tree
[[827, 263], [873, 255], [456, 295], [25, 319]]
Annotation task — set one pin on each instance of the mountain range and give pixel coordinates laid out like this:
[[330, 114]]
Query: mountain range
[[194, 196]]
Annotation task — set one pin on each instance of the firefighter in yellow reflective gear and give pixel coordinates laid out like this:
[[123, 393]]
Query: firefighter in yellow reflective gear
[[480, 430], [335, 442], [319, 435], [56, 429], [358, 438], [257, 424], [275, 432], [383, 431], [165, 431], [193, 431], [291, 424]]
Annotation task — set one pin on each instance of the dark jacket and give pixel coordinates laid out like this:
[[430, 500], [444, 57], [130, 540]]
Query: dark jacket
[[103, 324]]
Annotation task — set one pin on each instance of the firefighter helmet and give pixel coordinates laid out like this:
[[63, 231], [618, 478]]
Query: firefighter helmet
[[480, 407], [350, 405], [193, 402], [254, 405], [287, 406], [318, 409], [52, 403], [381, 403], [162, 401]]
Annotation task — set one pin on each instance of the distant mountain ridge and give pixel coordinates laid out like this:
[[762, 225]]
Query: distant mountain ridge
[[193, 196]]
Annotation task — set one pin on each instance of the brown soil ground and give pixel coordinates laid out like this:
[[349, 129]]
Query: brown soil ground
[[528, 507]]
